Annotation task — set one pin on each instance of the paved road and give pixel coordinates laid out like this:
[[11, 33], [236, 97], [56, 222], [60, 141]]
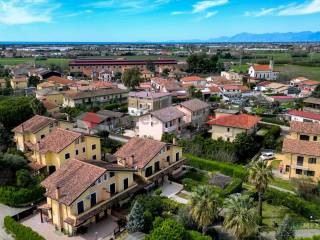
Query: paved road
[[6, 211]]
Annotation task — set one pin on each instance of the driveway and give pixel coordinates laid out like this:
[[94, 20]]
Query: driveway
[[170, 190], [100, 230], [7, 211]]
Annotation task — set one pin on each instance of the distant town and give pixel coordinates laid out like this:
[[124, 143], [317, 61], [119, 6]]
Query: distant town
[[192, 141]]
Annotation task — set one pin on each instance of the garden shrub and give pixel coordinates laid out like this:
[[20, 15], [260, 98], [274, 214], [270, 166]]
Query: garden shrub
[[15, 197], [194, 235], [231, 170], [167, 229], [295, 203], [20, 231], [234, 187]]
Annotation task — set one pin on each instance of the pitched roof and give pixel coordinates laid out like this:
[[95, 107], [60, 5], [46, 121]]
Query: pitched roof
[[72, 179], [91, 117], [310, 82], [111, 114], [94, 93], [304, 114], [262, 68], [57, 140], [149, 95], [312, 100], [243, 121], [34, 124], [236, 87], [141, 149], [214, 89], [305, 127], [194, 104], [311, 148], [192, 79], [60, 80], [167, 114], [49, 105]]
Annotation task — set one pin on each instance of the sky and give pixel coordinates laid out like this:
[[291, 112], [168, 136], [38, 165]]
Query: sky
[[151, 20]]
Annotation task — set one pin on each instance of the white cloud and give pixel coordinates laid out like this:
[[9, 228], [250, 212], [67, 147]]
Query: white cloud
[[210, 14], [309, 7], [17, 12], [204, 5], [178, 13]]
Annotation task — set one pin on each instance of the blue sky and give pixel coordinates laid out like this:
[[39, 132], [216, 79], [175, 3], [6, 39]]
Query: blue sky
[[151, 20]]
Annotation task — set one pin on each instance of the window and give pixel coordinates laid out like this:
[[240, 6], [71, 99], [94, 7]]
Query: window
[[80, 207], [84, 149], [312, 160], [228, 139], [105, 177], [42, 136], [228, 129], [94, 157], [309, 173], [157, 166], [77, 152], [287, 168], [111, 174], [148, 172], [177, 156], [299, 161], [125, 183], [112, 188], [168, 158], [94, 147], [77, 141], [67, 156], [299, 171], [315, 138], [304, 137], [99, 180], [93, 199]]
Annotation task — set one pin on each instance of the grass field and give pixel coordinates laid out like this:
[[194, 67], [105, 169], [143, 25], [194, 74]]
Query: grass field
[[274, 214], [296, 71]]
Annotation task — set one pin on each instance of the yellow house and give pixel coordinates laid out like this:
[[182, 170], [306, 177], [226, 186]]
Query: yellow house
[[33, 130], [19, 83], [227, 127], [154, 160], [301, 151], [62, 145], [83, 192], [53, 96]]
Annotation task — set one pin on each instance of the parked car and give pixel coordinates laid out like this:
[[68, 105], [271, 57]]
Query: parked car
[[267, 156]]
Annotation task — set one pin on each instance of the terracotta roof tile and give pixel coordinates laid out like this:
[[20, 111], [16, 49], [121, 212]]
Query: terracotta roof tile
[[243, 121], [60, 80], [305, 127], [34, 124], [194, 104], [304, 114], [192, 79], [261, 67], [310, 148], [57, 140], [142, 149], [167, 114]]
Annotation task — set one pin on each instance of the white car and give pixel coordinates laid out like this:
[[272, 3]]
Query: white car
[[267, 156]]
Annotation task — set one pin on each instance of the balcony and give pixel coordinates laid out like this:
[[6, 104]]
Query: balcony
[[167, 170]]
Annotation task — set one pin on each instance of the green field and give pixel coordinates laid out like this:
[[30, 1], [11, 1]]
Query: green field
[[296, 71]]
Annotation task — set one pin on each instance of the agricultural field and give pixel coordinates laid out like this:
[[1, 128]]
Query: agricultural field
[[296, 71]]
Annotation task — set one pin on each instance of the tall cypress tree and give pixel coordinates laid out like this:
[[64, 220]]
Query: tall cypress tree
[[135, 218]]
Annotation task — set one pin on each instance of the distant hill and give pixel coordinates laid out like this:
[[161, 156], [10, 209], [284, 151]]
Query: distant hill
[[271, 37]]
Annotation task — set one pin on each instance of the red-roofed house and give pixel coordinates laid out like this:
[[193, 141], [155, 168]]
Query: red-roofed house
[[228, 127], [193, 80], [263, 71], [302, 116]]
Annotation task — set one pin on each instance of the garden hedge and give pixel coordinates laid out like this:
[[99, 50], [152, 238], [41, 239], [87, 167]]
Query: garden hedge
[[17, 197], [229, 169], [295, 203], [20, 231]]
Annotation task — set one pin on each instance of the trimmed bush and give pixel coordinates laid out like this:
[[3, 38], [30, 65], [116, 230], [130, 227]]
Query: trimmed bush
[[194, 235], [295, 203], [234, 187], [231, 170], [20, 231], [15, 197]]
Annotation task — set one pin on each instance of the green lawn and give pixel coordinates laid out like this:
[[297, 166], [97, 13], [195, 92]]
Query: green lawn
[[275, 214], [183, 195], [197, 176], [296, 71], [286, 184]]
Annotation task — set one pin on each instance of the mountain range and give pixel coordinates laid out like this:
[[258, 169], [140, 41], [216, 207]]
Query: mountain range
[[306, 36]]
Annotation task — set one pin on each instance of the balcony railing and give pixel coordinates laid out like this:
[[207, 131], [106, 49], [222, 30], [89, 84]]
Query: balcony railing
[[166, 170]]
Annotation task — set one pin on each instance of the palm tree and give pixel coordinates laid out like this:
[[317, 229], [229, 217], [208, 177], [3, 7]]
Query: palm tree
[[204, 206], [240, 216], [259, 175]]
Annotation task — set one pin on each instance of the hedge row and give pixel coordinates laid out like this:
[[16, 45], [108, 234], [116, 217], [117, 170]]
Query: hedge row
[[15, 197], [295, 203], [20, 231], [229, 169]]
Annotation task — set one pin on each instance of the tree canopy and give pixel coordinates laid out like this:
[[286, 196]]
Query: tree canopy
[[203, 63], [131, 78]]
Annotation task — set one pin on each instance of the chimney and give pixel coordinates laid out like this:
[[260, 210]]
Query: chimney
[[57, 192], [130, 161], [174, 141]]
